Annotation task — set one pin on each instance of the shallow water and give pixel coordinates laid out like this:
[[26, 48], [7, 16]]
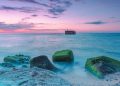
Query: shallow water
[[84, 45]]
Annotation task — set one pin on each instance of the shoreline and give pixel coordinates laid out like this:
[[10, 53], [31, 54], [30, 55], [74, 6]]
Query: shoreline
[[71, 77]]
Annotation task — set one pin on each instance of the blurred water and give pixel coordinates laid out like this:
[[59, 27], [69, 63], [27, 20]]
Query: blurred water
[[84, 45]]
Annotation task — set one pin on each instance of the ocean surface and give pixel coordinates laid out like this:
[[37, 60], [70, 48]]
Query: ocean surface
[[83, 45]]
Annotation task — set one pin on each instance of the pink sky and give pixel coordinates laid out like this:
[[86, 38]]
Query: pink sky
[[56, 16]]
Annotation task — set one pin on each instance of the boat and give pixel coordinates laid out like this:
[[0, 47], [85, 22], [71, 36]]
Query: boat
[[70, 32]]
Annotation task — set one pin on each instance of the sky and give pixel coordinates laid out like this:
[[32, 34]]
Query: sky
[[55, 16]]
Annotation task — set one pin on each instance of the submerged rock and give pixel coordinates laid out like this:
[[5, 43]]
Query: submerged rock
[[102, 65], [7, 65], [31, 77], [63, 56], [42, 62], [17, 59]]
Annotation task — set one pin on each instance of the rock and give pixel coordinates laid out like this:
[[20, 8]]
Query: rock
[[17, 59], [102, 65], [63, 56], [33, 73], [32, 77], [24, 66], [42, 62], [6, 64]]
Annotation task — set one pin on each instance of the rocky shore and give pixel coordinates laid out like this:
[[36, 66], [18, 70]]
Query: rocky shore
[[22, 70], [31, 77]]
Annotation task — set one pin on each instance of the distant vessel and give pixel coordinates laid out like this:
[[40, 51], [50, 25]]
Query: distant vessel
[[70, 32]]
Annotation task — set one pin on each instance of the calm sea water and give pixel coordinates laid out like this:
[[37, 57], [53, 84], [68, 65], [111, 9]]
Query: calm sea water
[[83, 45]]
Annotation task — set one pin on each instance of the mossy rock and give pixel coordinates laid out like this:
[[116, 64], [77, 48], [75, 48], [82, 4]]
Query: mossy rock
[[63, 56], [7, 65], [102, 65], [17, 59]]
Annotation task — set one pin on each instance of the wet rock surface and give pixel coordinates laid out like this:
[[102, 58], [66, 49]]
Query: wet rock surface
[[7, 65], [42, 62], [102, 65], [17, 59], [31, 77]]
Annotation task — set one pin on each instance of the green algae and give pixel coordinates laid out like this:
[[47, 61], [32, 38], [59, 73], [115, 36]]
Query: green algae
[[63, 56]]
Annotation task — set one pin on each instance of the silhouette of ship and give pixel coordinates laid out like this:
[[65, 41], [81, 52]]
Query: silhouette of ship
[[70, 32]]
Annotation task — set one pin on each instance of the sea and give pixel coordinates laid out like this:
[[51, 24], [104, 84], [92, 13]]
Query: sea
[[83, 45]]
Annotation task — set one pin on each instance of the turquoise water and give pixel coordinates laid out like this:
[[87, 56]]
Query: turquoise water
[[84, 45]]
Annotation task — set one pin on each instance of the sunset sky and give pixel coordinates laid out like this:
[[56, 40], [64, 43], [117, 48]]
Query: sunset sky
[[44, 16]]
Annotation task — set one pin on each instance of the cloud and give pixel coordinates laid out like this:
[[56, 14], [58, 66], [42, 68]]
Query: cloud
[[21, 9], [32, 1], [51, 16], [34, 15], [96, 22], [59, 6], [24, 19], [56, 10], [50, 7], [112, 17], [5, 26]]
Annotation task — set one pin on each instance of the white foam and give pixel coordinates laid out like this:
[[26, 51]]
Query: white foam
[[89, 80]]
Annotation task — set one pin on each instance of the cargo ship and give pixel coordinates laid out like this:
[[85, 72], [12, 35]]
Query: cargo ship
[[70, 32]]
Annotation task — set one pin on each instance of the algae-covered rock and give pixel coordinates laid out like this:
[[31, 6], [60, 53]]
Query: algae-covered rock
[[42, 62], [102, 65], [63, 56], [7, 65], [17, 59]]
